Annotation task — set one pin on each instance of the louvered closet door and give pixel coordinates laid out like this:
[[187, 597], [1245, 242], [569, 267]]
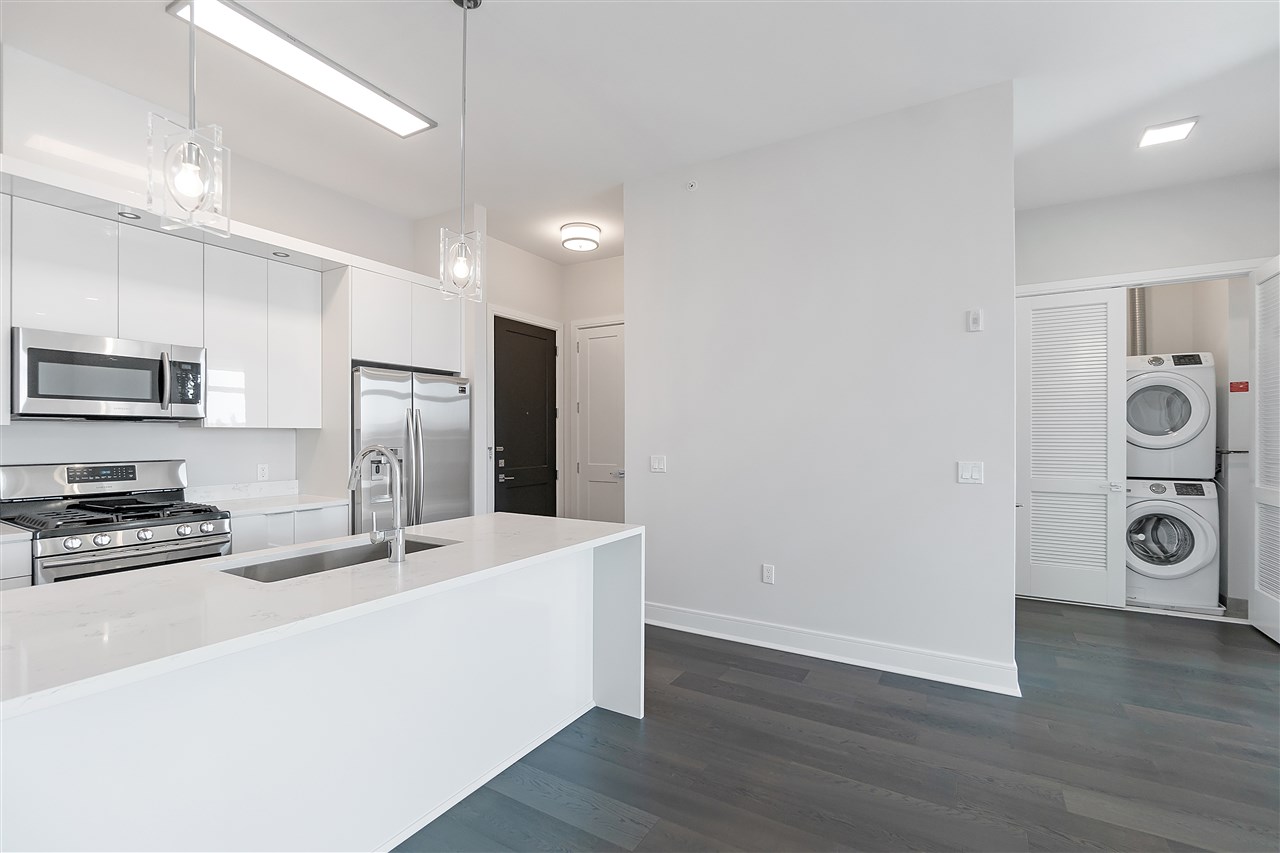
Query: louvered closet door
[[1071, 446], [1264, 596]]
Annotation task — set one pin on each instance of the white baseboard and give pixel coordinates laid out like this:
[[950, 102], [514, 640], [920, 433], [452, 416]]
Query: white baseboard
[[476, 784], [994, 676]]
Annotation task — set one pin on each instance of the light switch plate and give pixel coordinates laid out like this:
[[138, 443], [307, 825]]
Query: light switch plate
[[973, 321], [658, 464], [969, 472]]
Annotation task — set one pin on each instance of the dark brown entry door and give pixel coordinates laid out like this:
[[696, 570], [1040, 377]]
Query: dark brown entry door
[[524, 418]]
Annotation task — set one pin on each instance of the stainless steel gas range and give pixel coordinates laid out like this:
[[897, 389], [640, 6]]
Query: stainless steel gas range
[[99, 518]]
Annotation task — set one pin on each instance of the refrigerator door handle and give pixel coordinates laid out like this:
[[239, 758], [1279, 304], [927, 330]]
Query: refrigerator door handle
[[420, 460], [409, 467]]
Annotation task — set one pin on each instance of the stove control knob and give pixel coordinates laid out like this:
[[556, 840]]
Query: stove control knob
[[145, 534], [184, 529], [101, 539], [72, 543], [206, 527]]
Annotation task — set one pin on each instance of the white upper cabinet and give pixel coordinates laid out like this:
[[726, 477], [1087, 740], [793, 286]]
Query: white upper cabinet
[[6, 207], [64, 270], [161, 287], [381, 318], [293, 346], [235, 320], [437, 330]]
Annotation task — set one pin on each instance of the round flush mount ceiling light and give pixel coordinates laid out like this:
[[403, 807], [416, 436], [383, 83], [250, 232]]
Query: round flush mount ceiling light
[[580, 236]]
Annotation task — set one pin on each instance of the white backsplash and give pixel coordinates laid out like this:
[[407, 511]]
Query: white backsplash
[[242, 491]]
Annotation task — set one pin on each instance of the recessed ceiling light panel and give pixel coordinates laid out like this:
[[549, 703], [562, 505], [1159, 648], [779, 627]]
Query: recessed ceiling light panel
[[1173, 131], [240, 28], [580, 236]]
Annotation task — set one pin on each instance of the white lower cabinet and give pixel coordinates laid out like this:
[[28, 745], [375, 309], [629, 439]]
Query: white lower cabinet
[[311, 525], [248, 533], [15, 564], [256, 531], [280, 529]]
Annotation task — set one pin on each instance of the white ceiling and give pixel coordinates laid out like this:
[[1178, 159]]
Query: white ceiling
[[571, 98]]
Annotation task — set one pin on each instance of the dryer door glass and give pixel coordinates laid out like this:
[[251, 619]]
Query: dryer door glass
[[1158, 410], [1161, 540]]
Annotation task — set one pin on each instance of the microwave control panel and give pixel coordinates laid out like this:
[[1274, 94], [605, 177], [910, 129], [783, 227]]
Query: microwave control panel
[[186, 382]]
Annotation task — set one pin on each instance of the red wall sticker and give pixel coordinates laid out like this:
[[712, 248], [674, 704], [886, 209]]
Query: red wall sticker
[[1239, 386]]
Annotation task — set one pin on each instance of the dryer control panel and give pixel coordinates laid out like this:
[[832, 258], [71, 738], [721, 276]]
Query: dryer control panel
[[1186, 360], [1188, 490]]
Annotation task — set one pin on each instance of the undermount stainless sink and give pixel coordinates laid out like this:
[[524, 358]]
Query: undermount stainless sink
[[296, 567]]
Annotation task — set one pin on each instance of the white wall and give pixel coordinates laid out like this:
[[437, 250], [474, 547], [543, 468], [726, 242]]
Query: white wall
[[802, 363], [60, 119], [592, 290], [1229, 219], [214, 456]]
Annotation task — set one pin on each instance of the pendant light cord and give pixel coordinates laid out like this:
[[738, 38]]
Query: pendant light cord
[[462, 171], [191, 53]]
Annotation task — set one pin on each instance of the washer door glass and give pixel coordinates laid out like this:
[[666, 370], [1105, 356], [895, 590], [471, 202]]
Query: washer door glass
[[1164, 410], [1167, 541]]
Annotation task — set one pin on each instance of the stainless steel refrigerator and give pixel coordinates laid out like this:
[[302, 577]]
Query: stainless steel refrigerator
[[426, 421]]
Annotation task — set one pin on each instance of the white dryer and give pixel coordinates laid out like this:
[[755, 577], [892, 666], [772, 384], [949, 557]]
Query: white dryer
[[1171, 539], [1171, 415]]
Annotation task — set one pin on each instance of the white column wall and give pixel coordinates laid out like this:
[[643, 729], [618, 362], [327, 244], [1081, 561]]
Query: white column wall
[[797, 350]]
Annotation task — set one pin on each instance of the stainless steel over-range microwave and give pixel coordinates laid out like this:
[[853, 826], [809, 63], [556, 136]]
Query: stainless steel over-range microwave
[[62, 375]]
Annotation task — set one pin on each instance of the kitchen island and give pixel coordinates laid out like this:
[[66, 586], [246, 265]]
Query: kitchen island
[[183, 707]]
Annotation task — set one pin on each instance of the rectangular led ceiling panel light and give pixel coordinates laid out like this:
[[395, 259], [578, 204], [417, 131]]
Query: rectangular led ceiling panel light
[[243, 30], [1171, 132]]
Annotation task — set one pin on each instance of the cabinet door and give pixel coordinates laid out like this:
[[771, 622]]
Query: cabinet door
[[312, 525], [381, 318], [279, 529], [293, 347], [15, 583], [15, 560], [235, 318], [161, 287], [437, 330], [248, 533], [6, 207], [64, 270]]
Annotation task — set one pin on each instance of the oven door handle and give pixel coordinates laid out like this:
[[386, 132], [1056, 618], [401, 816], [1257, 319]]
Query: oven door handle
[[166, 380], [122, 557]]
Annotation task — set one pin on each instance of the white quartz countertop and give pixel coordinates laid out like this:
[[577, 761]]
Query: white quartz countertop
[[279, 503], [60, 641], [9, 533]]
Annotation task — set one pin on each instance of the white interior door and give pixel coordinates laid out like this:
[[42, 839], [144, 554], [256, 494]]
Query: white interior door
[[1264, 592], [599, 471], [1071, 446]]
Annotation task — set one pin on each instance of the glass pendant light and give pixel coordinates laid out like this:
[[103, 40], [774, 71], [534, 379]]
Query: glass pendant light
[[461, 251], [188, 167]]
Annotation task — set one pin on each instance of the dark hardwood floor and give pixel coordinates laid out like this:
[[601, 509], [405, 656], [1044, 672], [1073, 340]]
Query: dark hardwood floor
[[1135, 732]]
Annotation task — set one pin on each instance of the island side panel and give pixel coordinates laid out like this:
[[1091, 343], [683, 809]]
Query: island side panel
[[346, 737], [619, 625]]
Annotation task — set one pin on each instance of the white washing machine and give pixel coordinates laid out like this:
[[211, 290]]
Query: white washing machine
[[1171, 545], [1171, 415]]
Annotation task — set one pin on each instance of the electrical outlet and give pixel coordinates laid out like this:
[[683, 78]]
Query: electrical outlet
[[766, 573], [262, 471]]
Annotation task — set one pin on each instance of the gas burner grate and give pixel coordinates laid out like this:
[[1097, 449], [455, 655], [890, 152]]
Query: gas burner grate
[[54, 518]]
